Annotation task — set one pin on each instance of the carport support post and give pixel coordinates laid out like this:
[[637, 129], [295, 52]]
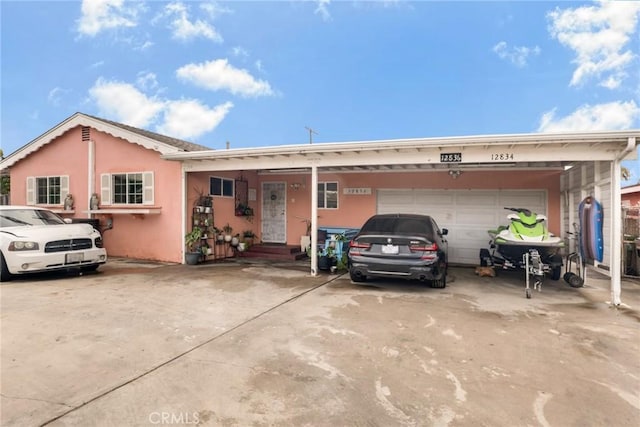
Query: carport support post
[[314, 220], [616, 233]]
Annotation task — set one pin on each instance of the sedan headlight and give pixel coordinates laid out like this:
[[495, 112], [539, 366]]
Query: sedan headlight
[[23, 246]]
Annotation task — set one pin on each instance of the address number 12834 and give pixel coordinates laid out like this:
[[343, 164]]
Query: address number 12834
[[501, 156]]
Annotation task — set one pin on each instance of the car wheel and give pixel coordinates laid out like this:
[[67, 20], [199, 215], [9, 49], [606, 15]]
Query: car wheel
[[357, 277], [5, 276], [440, 282]]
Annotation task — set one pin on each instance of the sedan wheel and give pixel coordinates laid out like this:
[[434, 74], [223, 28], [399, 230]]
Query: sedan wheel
[[5, 276], [357, 277], [441, 282]]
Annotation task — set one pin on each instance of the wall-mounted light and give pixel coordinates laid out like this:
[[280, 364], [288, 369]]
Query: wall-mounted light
[[454, 173], [296, 186]]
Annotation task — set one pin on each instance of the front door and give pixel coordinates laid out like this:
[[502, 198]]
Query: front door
[[274, 209]]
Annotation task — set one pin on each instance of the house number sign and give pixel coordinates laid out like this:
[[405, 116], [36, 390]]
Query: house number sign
[[450, 157], [502, 156]]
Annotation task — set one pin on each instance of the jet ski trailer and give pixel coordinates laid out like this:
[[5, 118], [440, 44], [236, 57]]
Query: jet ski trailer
[[525, 244]]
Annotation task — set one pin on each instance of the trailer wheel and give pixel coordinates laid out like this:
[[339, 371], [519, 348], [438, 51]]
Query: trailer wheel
[[485, 258]]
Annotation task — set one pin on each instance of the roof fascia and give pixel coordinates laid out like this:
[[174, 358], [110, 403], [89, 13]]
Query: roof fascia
[[80, 119], [488, 141]]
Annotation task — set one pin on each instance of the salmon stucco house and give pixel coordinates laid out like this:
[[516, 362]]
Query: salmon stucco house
[[148, 184]]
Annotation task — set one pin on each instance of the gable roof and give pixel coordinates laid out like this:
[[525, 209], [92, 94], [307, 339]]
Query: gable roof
[[147, 139]]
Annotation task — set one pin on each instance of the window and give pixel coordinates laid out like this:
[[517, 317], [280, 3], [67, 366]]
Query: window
[[47, 190], [328, 195], [127, 188], [222, 187], [131, 188]]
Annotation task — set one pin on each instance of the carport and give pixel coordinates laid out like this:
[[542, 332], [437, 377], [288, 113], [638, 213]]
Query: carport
[[589, 163]]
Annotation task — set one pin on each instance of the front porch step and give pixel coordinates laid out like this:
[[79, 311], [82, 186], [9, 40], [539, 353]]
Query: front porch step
[[274, 252]]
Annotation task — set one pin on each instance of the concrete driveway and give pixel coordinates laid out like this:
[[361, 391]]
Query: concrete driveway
[[237, 344]]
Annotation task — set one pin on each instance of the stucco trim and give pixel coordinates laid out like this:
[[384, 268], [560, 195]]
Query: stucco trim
[[80, 119]]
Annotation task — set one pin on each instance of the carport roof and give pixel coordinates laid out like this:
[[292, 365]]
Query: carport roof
[[539, 150]]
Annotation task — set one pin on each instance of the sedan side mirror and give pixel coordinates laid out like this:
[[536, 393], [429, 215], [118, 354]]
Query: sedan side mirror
[[445, 232]]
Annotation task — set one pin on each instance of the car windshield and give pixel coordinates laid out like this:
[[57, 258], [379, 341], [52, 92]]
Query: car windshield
[[389, 225], [19, 217]]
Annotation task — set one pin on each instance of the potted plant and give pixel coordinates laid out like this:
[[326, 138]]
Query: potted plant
[[235, 240], [247, 237], [219, 235], [327, 258], [305, 240], [227, 232], [191, 242]]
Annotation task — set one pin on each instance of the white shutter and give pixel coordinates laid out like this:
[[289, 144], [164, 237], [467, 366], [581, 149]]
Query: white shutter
[[31, 190], [147, 188], [64, 188], [105, 187]]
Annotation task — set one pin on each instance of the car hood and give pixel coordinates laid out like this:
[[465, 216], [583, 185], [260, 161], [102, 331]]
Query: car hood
[[48, 232]]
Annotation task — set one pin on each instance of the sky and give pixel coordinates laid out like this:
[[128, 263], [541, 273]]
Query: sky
[[264, 73]]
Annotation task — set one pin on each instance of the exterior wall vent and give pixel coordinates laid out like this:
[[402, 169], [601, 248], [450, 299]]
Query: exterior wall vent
[[86, 133]]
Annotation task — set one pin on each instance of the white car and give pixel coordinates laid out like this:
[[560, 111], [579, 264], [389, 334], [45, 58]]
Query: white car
[[34, 240]]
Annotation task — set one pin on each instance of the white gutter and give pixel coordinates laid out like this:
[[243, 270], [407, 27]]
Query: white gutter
[[405, 144], [616, 223]]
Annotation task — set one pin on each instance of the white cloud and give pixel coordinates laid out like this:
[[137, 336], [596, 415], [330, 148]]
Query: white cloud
[[144, 45], [323, 9], [99, 15], [124, 103], [185, 29], [240, 51], [610, 116], [219, 75], [55, 96], [598, 36], [214, 9], [146, 80], [517, 55], [190, 118]]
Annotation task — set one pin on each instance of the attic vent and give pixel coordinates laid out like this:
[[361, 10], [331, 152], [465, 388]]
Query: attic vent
[[86, 133]]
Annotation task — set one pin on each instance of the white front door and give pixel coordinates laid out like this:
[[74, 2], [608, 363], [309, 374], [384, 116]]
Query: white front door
[[274, 212]]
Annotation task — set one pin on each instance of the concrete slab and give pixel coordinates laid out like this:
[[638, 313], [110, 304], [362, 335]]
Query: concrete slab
[[264, 344]]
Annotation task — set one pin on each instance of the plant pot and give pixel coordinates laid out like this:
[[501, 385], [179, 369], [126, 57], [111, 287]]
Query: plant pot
[[220, 237], [242, 246], [235, 241], [326, 262], [305, 242], [192, 258], [227, 238]]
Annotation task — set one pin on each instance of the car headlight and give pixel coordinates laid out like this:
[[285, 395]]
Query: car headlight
[[98, 242], [23, 246]]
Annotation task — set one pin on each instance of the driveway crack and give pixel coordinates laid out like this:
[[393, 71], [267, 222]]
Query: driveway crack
[[179, 356], [35, 400]]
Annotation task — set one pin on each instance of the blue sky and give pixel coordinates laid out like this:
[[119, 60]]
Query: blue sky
[[259, 73]]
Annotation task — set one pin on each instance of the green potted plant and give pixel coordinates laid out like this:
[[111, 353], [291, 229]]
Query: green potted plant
[[192, 242], [227, 233], [247, 237]]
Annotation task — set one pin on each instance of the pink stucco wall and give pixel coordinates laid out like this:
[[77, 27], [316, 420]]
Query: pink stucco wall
[[153, 237], [354, 210], [224, 207]]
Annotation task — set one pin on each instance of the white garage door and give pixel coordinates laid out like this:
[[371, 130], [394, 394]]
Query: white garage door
[[468, 214]]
